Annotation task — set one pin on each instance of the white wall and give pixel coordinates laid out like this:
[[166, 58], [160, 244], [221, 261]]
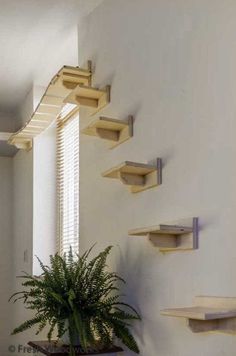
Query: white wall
[[22, 234], [172, 65], [6, 251], [34, 212]]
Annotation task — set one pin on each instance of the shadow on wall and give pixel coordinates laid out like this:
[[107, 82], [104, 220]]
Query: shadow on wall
[[138, 291], [7, 150]]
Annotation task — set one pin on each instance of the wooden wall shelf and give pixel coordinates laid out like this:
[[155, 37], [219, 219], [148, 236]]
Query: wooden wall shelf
[[51, 104], [138, 176], [70, 77], [178, 236], [113, 130], [208, 314], [90, 97]]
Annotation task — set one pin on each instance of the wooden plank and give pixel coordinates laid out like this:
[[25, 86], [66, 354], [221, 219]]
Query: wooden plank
[[22, 143], [166, 242], [43, 117], [199, 326], [86, 92], [24, 134], [90, 97], [149, 173], [46, 109], [162, 229], [70, 77], [200, 313], [131, 179], [37, 124], [183, 243], [104, 123], [212, 314], [226, 326], [71, 80], [48, 100], [112, 124], [151, 180], [33, 129], [117, 131], [106, 134], [59, 91], [71, 85], [184, 231], [129, 167], [90, 102], [77, 71]]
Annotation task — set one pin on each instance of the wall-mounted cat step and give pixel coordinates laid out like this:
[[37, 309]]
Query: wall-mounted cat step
[[208, 314], [91, 97], [70, 77], [113, 130], [138, 176], [178, 236]]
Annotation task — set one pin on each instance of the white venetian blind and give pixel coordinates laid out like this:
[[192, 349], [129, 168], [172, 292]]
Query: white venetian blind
[[68, 181]]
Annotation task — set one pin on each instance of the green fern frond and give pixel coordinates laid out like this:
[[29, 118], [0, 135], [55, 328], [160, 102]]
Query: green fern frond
[[27, 325]]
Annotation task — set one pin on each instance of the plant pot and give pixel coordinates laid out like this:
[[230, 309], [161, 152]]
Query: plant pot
[[65, 339]]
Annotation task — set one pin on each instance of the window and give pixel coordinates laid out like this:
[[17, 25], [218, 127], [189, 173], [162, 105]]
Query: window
[[68, 180]]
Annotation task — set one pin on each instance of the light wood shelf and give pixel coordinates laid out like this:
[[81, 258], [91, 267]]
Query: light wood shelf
[[90, 97], [113, 130], [177, 236], [138, 176], [51, 104], [70, 77], [208, 314]]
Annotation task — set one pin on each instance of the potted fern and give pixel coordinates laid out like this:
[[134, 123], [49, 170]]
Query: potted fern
[[78, 297]]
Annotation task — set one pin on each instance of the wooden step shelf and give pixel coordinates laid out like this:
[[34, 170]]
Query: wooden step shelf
[[52, 104], [70, 77], [113, 130], [138, 176], [94, 98], [178, 236], [208, 314]]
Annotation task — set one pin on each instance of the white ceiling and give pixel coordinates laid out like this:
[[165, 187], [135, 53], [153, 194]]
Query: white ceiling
[[37, 37]]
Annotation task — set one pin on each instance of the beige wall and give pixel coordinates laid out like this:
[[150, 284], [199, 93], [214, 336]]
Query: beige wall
[[172, 65]]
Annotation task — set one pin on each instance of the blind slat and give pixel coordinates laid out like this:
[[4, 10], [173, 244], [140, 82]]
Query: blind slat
[[68, 185]]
